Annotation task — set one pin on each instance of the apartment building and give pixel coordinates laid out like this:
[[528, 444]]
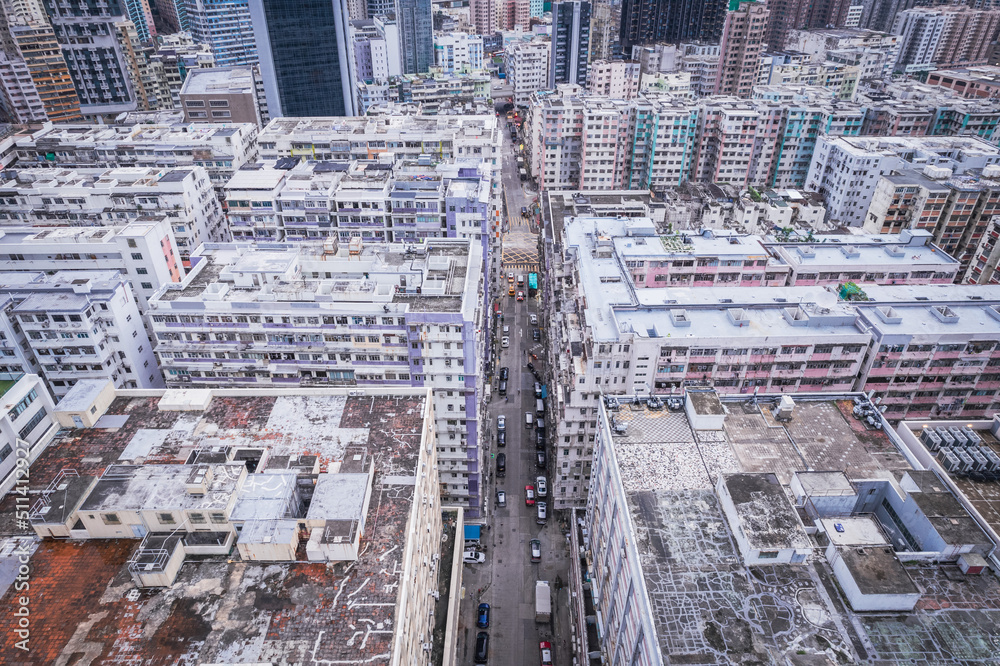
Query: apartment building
[[794, 68], [221, 151], [983, 266], [956, 210], [367, 316], [225, 26], [400, 202], [846, 170], [80, 325], [184, 198], [569, 60], [740, 48], [527, 67], [376, 48], [144, 252], [483, 16], [169, 65], [221, 95], [620, 331], [458, 52], [19, 99], [37, 45], [970, 82], [873, 52], [89, 42], [372, 506], [946, 36], [614, 78], [26, 424]]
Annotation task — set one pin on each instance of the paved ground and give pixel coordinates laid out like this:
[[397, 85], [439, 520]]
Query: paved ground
[[507, 579]]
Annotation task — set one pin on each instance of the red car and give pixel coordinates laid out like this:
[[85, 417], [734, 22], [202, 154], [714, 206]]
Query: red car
[[546, 649], [529, 495], [520, 295]]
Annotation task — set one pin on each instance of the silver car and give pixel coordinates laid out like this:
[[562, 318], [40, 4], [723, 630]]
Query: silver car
[[541, 486]]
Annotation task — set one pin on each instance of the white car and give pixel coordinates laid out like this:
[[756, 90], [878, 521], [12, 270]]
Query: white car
[[541, 486], [533, 319], [472, 557], [505, 342], [501, 422]]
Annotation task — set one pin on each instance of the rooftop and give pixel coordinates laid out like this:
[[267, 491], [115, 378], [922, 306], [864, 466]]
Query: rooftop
[[228, 80], [765, 514], [876, 570], [221, 611]]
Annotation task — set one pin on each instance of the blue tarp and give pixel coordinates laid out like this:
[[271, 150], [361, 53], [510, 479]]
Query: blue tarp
[[472, 532], [545, 392]]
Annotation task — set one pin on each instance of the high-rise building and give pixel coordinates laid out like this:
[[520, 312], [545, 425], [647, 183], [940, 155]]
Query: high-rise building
[[483, 15], [458, 52], [945, 36], [89, 41], [788, 15], [527, 65], [416, 31], [570, 56], [141, 16], [376, 49], [618, 79], [742, 42], [37, 45], [304, 58], [224, 25], [605, 22], [651, 21]]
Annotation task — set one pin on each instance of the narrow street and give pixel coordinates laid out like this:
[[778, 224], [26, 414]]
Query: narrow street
[[507, 578]]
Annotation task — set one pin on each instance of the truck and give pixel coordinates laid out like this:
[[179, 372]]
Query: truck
[[543, 601], [532, 284]]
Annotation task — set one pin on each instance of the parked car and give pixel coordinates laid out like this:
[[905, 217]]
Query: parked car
[[505, 342], [535, 546], [501, 464], [482, 647], [531, 367], [502, 438], [483, 617], [504, 373], [520, 295], [542, 510], [529, 495], [506, 329], [501, 422], [535, 335], [540, 459], [501, 498], [472, 557], [538, 390], [545, 648], [503, 387], [540, 423], [542, 486], [540, 440], [533, 319]]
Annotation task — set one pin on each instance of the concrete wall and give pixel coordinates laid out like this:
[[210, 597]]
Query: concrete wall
[[870, 602]]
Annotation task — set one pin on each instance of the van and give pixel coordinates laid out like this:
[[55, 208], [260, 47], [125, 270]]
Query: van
[[528, 419], [538, 390], [520, 282], [540, 407], [501, 465]]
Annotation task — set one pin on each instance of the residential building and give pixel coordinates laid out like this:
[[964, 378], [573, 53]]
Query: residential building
[[372, 508], [645, 22], [972, 82], [304, 58], [947, 36], [109, 197], [617, 79], [293, 314], [605, 22], [846, 170], [225, 25], [416, 31], [874, 53], [20, 102], [570, 56], [37, 45], [142, 18], [81, 325], [677, 84], [143, 252], [717, 496], [175, 58], [458, 53], [789, 68], [221, 95], [983, 266], [221, 151], [786, 16], [956, 210], [514, 15], [527, 67], [484, 16], [89, 42], [136, 57], [742, 44], [853, 17], [27, 424], [376, 49]]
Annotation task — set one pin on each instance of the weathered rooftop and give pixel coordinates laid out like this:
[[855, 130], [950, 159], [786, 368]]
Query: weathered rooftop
[[221, 611]]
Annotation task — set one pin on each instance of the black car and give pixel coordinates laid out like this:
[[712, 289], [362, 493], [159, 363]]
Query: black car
[[535, 335], [501, 465], [524, 210], [482, 647], [540, 460], [501, 438], [540, 441], [503, 387], [531, 367], [504, 373]]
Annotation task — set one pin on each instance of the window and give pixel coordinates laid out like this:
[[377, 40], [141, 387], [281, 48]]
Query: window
[[221, 114], [218, 102], [32, 422], [5, 452], [197, 518], [218, 518], [195, 103], [165, 518], [111, 519], [768, 555], [137, 256]]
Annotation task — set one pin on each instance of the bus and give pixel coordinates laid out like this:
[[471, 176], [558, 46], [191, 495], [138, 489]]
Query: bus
[[532, 284]]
